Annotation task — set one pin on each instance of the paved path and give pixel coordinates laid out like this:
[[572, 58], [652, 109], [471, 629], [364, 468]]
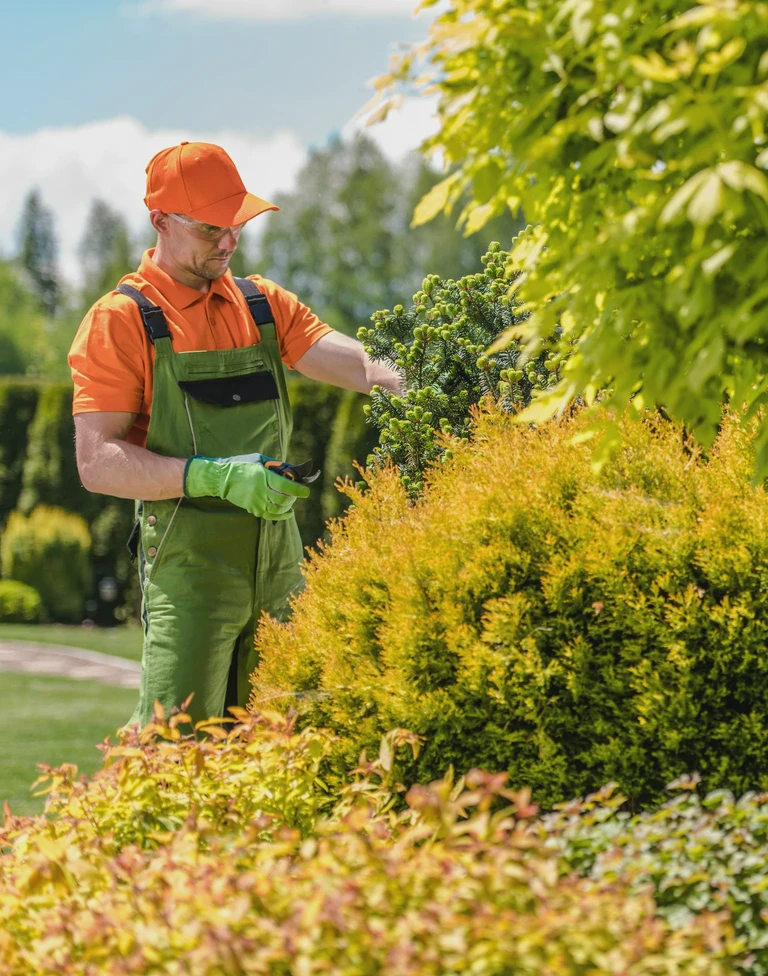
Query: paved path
[[29, 657]]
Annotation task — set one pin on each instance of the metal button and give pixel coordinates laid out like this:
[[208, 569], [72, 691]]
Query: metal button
[[236, 396], [152, 520], [152, 551]]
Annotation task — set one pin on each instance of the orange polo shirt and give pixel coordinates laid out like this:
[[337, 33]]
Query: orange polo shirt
[[112, 359]]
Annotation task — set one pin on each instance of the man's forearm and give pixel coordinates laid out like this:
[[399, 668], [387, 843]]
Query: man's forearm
[[127, 471]]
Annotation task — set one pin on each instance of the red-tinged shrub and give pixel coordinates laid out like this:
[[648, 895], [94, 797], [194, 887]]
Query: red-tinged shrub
[[455, 883]]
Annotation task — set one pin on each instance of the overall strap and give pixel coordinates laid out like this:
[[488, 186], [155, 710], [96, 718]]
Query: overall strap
[[258, 306], [152, 316]]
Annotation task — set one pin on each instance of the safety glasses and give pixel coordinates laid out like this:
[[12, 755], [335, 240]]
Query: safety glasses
[[206, 232]]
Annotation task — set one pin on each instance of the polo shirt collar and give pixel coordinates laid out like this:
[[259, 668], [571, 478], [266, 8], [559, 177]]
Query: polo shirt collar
[[178, 294]]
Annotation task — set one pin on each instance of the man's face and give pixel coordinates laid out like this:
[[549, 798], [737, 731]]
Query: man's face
[[199, 248]]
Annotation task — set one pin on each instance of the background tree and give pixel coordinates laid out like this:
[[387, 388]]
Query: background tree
[[636, 147], [342, 241], [105, 252], [37, 253]]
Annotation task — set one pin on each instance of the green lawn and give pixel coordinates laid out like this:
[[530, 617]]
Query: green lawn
[[53, 720], [120, 641]]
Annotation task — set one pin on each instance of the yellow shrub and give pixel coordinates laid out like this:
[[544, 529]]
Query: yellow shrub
[[532, 615], [50, 551]]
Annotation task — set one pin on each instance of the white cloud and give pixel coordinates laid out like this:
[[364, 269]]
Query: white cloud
[[404, 129], [107, 159], [281, 10]]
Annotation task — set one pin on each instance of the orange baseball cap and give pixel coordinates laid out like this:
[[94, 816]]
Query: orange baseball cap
[[199, 180]]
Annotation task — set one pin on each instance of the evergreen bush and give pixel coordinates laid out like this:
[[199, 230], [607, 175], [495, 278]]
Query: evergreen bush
[[440, 345], [110, 558], [532, 614], [50, 551], [50, 477], [19, 603]]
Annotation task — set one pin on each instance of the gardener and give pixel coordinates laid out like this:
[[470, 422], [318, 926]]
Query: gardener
[[179, 396]]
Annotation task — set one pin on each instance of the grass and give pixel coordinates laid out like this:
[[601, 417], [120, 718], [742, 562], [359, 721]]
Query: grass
[[120, 641], [53, 720]]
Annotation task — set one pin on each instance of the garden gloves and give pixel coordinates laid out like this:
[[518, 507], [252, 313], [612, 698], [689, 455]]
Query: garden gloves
[[244, 481]]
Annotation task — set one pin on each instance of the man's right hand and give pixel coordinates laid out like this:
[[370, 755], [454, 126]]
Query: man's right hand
[[244, 481]]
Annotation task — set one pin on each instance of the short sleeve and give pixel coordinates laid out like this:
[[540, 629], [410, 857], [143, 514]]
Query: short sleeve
[[297, 326], [107, 360]]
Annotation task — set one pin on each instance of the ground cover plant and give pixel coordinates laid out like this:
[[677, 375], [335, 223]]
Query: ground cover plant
[[225, 855], [698, 853], [572, 626]]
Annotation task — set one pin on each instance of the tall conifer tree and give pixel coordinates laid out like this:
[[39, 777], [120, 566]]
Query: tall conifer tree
[[38, 251]]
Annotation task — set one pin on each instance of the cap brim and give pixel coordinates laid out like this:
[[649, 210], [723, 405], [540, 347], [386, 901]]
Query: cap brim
[[236, 209]]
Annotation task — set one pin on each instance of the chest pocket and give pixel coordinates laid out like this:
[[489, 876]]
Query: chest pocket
[[229, 391]]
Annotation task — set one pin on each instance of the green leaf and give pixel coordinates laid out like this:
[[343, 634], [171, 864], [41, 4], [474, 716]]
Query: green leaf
[[432, 203], [679, 199], [741, 176], [707, 201], [385, 754], [715, 262], [707, 362], [487, 179]]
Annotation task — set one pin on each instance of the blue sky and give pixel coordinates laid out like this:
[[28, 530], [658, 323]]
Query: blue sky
[[99, 85], [82, 60]]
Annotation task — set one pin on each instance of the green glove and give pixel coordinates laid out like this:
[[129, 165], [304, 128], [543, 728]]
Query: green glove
[[245, 482]]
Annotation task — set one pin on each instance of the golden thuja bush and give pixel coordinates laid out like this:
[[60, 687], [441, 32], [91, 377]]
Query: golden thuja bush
[[257, 884], [532, 614]]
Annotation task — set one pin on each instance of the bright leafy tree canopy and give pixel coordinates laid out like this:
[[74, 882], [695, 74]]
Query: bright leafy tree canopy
[[633, 137]]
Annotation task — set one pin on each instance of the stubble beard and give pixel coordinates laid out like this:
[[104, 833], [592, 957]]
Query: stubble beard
[[211, 269]]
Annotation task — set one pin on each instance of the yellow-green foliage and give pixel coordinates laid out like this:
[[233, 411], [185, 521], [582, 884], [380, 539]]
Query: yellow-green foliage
[[50, 551], [19, 603], [633, 138], [535, 616], [454, 884], [150, 786]]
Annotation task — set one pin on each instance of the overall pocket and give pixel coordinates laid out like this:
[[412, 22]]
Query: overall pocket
[[229, 391]]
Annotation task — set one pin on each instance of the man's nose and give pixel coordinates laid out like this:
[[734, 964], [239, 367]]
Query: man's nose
[[228, 241]]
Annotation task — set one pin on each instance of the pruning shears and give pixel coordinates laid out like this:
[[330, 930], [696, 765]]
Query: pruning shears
[[300, 473]]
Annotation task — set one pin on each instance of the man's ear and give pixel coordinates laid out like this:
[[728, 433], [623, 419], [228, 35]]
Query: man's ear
[[160, 221]]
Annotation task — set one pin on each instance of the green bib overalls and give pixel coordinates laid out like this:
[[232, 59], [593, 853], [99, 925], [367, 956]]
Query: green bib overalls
[[207, 568]]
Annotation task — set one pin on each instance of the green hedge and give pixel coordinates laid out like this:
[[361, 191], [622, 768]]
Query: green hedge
[[50, 474], [532, 615], [696, 855], [351, 439], [18, 402]]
